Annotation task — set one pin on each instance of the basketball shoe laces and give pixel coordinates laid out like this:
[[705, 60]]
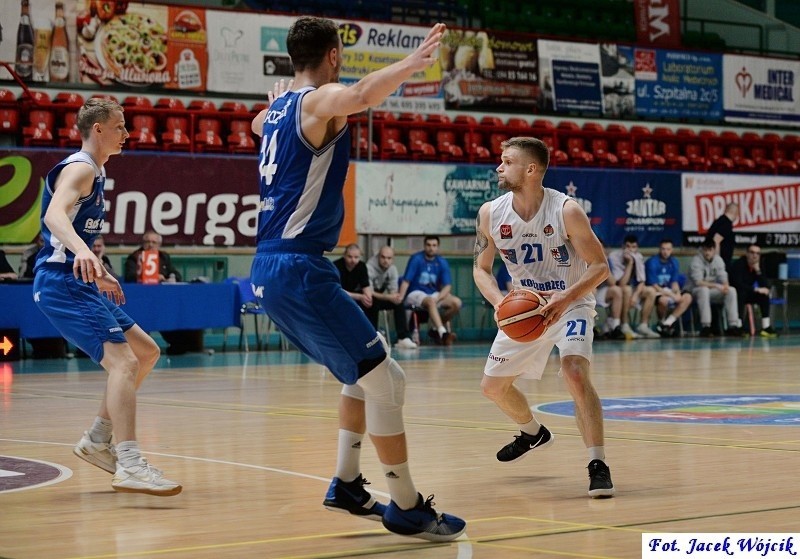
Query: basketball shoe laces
[[428, 506]]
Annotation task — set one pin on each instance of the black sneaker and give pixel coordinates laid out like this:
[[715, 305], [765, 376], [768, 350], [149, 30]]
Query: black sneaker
[[351, 497], [616, 334], [665, 331], [705, 332], [600, 484], [524, 443], [768, 332], [435, 337], [735, 332]]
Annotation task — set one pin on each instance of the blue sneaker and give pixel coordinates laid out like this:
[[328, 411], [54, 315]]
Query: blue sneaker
[[352, 498], [423, 522]]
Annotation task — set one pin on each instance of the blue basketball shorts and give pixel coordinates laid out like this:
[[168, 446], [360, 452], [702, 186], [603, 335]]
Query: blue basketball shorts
[[303, 295], [85, 317]]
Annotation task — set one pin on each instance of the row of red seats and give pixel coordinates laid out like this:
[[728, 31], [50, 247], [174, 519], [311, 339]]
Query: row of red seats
[[465, 138], [166, 125]]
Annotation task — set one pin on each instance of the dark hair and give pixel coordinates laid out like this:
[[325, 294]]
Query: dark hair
[[708, 243], [309, 40], [631, 239], [431, 238], [665, 240], [95, 110], [534, 147]]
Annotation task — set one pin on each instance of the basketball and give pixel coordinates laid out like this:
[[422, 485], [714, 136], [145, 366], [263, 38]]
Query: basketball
[[520, 316]]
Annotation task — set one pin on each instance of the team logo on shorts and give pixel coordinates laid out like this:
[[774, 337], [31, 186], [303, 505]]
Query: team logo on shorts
[[505, 231], [560, 255], [548, 230]]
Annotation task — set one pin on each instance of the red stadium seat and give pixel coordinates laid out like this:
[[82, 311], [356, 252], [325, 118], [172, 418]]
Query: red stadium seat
[[602, 156], [69, 136], [208, 137], [143, 133], [39, 132], [176, 134]]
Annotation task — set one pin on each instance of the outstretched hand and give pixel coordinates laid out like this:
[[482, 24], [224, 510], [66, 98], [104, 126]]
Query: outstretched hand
[[427, 52], [279, 89]]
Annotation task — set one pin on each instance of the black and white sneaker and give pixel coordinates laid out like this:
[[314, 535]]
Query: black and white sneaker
[[600, 484], [524, 443]]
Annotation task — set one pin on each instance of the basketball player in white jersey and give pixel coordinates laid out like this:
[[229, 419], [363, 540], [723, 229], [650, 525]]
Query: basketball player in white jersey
[[547, 244]]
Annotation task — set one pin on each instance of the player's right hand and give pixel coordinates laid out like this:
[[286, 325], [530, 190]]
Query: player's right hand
[[427, 52], [87, 266]]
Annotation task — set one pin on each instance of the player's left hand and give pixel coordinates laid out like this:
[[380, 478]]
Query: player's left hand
[[110, 287], [279, 89]]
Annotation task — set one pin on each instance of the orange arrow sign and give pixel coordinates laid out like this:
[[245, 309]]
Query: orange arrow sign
[[6, 346]]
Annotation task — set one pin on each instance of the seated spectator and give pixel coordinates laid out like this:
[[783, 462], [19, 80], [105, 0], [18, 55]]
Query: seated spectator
[[426, 284], [662, 272], [99, 250], [608, 295], [627, 270], [709, 284], [179, 341], [354, 277], [384, 279], [6, 271], [752, 287], [133, 264], [28, 259]]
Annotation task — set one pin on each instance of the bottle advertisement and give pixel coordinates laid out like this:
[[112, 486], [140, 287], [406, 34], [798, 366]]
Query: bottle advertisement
[[38, 36]]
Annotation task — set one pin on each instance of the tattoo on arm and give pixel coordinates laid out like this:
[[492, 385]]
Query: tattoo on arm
[[481, 242]]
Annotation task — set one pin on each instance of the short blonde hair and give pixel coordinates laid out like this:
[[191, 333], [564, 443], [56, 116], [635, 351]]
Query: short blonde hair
[[95, 110]]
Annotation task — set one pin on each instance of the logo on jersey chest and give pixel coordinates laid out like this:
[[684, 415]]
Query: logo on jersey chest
[[561, 255], [509, 254], [548, 230], [505, 231]]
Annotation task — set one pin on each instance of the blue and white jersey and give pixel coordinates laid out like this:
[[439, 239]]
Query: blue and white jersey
[[87, 215], [301, 186]]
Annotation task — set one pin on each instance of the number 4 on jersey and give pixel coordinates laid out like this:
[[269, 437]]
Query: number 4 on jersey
[[267, 166]]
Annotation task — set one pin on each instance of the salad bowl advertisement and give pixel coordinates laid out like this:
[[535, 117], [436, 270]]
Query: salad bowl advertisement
[[141, 45]]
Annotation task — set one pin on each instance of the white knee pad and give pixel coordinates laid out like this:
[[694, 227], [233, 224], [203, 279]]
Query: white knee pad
[[384, 391], [353, 391]]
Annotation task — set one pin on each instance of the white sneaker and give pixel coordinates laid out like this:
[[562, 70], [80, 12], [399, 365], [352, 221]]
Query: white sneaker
[[629, 334], [405, 343], [102, 455], [645, 331], [144, 478]]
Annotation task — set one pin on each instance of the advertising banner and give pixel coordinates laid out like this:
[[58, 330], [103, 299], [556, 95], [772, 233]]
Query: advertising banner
[[189, 200], [444, 199], [570, 77], [247, 54], [489, 69], [769, 207], [38, 40], [678, 84], [658, 22], [617, 79], [645, 204], [762, 89]]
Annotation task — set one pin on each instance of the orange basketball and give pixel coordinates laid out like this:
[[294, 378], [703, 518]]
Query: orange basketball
[[520, 315]]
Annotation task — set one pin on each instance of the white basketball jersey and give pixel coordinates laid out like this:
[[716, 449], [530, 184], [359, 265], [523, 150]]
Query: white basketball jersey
[[537, 253]]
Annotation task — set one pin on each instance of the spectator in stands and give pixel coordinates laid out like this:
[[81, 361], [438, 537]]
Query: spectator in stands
[[709, 284], [662, 272], [384, 279], [427, 284], [6, 271], [28, 259], [752, 287], [609, 296], [721, 233], [354, 277], [178, 341], [99, 250], [627, 270], [167, 272]]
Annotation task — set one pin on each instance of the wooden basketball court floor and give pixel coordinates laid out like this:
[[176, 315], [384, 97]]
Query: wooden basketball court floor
[[252, 437]]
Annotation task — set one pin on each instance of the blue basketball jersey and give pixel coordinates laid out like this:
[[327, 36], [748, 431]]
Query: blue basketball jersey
[[88, 214], [301, 194]]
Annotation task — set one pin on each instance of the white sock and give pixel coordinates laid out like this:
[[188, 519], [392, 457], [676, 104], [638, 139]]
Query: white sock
[[128, 454], [765, 323], [597, 453], [442, 330], [669, 321], [612, 323], [531, 427], [401, 486], [100, 431], [348, 459]]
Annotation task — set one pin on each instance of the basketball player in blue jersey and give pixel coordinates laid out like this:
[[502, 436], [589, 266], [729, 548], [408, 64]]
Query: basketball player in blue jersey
[[80, 297], [304, 159], [547, 244]]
